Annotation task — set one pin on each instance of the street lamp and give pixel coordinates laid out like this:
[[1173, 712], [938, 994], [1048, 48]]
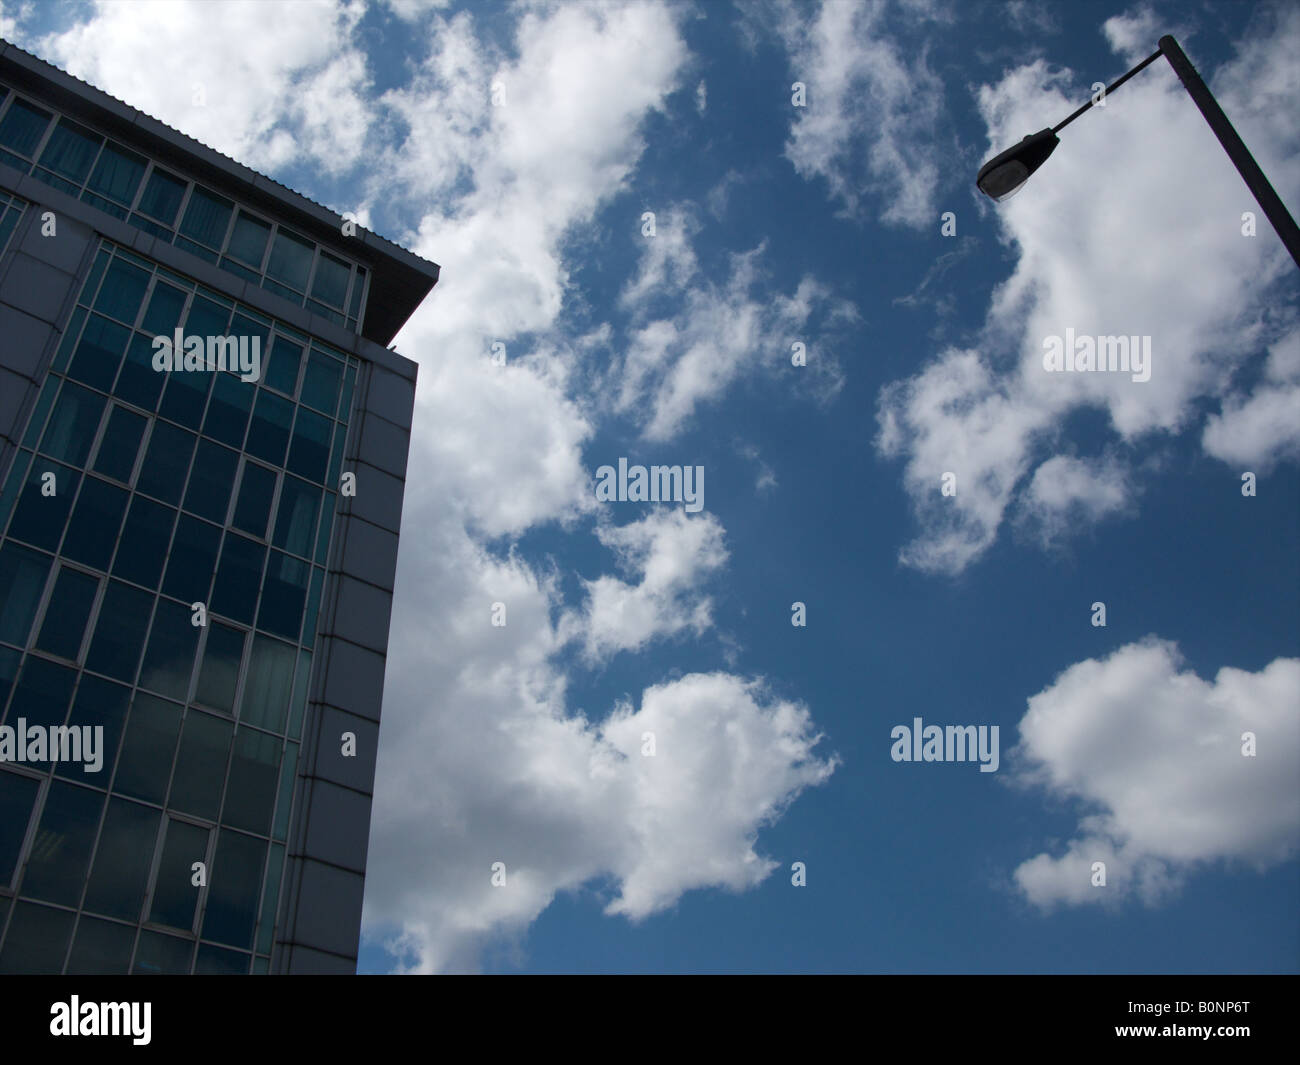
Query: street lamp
[[1004, 174]]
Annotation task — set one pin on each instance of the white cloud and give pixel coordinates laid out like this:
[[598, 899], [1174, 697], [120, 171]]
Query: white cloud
[[1263, 427], [671, 554], [1066, 494], [1134, 251], [1153, 754], [872, 112], [280, 82]]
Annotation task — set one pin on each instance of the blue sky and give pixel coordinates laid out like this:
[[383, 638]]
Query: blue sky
[[821, 225]]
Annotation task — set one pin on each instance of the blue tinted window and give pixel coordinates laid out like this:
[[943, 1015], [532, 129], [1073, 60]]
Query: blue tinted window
[[39, 518], [217, 961], [22, 580], [358, 285], [38, 939], [331, 283], [101, 948], [201, 765], [92, 532], [145, 764], [71, 816], [9, 659], [164, 313], [228, 409], [72, 427], [241, 325], [143, 547], [345, 400], [254, 772], [323, 536], [320, 388], [248, 241], [193, 560], [120, 444], [186, 395], [284, 596], [282, 373], [211, 480], [70, 151], [169, 658], [295, 521], [139, 382], [238, 577], [253, 507], [42, 694], [174, 897], [162, 196], [236, 879], [123, 291], [310, 453], [17, 796], [99, 703], [220, 671], [268, 435], [117, 174], [121, 871], [98, 352], [290, 260], [157, 954], [22, 127], [167, 460], [66, 616], [207, 318], [119, 632], [269, 684], [207, 217]]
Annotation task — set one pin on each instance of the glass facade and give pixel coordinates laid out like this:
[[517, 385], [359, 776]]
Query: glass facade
[[83, 163], [135, 497]]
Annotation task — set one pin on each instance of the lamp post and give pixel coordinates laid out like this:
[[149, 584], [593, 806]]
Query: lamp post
[[1004, 174]]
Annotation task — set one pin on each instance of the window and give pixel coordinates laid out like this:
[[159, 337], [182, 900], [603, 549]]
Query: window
[[213, 476], [174, 897], [232, 899], [121, 871], [37, 941], [98, 703], [72, 427], [139, 382], [220, 672], [122, 292], [238, 578], [120, 444], [207, 217], [290, 263], [254, 771], [284, 596], [17, 796], [146, 760], [269, 684], [201, 765], [43, 692], [320, 387], [268, 435], [169, 660], [92, 532], [162, 196], [295, 521], [227, 416], [23, 126], [119, 632], [99, 351], [248, 241], [193, 560], [158, 953], [167, 460], [331, 284], [309, 455], [143, 547], [101, 947], [253, 507], [22, 579], [116, 176], [164, 313], [70, 151], [57, 864], [67, 614], [39, 519], [282, 373]]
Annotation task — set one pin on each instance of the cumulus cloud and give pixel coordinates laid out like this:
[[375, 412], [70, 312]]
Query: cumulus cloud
[[1152, 756], [1262, 427], [873, 108], [1068, 493], [1148, 254], [671, 554]]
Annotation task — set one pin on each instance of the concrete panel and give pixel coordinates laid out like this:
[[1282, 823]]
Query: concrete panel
[[25, 340], [369, 553], [384, 445], [328, 762], [363, 614], [338, 825], [35, 288], [391, 396], [378, 499], [328, 908], [354, 679], [65, 249]]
